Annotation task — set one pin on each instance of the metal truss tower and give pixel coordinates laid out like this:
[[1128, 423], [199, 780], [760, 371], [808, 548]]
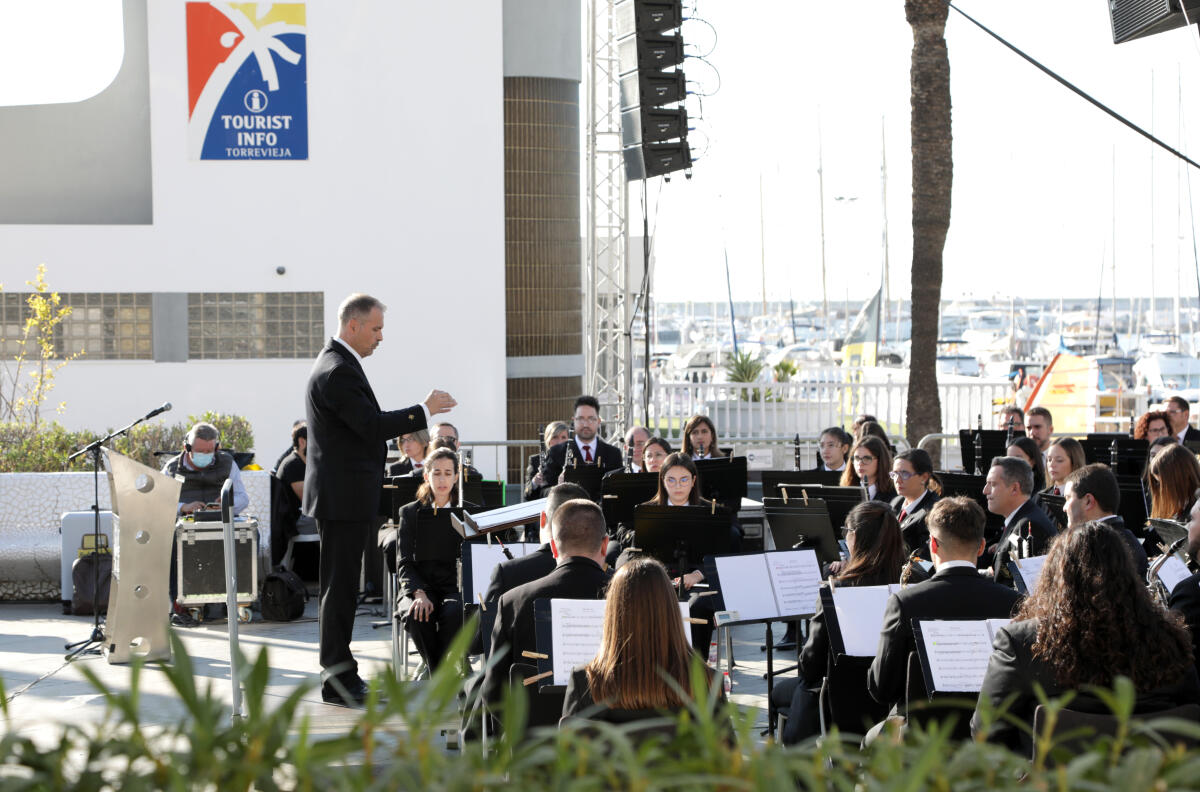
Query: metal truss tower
[[607, 299]]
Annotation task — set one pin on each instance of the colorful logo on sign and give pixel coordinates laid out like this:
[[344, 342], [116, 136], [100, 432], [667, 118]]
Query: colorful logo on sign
[[247, 81]]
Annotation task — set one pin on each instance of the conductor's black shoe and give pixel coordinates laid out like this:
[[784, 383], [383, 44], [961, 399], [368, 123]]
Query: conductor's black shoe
[[351, 694]]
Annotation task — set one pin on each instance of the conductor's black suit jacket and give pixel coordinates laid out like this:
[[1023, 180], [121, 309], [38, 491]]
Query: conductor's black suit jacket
[[347, 438]]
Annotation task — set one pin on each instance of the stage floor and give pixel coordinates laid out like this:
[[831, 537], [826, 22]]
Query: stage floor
[[43, 691]]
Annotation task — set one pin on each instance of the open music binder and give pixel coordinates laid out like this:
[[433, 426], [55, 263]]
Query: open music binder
[[1026, 572], [955, 652], [854, 617], [568, 633], [479, 560], [779, 584]]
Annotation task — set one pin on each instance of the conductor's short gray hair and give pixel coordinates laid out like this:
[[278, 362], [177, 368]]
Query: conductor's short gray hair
[[357, 306], [1015, 471], [203, 431]]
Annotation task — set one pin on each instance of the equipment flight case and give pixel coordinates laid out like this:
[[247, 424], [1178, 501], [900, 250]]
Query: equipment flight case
[[200, 560]]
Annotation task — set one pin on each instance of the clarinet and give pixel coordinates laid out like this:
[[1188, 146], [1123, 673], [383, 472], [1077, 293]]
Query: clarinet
[[979, 448], [796, 451], [542, 458], [462, 477], [628, 458], [1008, 438], [569, 456], [1112, 455]]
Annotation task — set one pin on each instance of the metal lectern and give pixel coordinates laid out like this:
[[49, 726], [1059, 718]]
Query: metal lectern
[[144, 503]]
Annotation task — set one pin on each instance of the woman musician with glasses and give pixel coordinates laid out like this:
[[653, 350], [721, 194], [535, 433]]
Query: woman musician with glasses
[[912, 476], [871, 459]]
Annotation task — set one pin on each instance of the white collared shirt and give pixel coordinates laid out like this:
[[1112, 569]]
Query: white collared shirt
[[1013, 513], [353, 351], [871, 490], [592, 446], [911, 507], [833, 470], [952, 564], [1182, 434]]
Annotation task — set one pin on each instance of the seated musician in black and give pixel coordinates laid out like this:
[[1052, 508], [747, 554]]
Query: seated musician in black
[[834, 448], [876, 558], [1027, 529], [413, 449], [1185, 597], [912, 475], [700, 438], [1090, 619], [586, 449], [871, 461], [517, 571], [654, 454], [956, 591], [1093, 495], [555, 433], [642, 646], [430, 603], [679, 485]]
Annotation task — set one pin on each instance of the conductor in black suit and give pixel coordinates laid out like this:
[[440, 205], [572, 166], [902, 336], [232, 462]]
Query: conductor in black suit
[[956, 591], [1008, 489], [586, 449], [347, 446]]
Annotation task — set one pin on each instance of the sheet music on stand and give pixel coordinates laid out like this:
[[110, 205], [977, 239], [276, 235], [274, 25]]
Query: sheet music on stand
[[955, 652], [479, 560], [1027, 572], [1173, 572], [769, 586], [854, 616], [501, 519], [568, 632]]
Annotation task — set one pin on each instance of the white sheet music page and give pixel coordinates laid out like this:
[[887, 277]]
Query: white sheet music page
[[1173, 572], [860, 617], [958, 653], [796, 577], [575, 631], [1031, 570], [484, 559], [746, 586]]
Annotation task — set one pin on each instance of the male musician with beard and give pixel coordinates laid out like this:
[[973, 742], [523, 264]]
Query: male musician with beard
[[1185, 597], [587, 448], [1091, 494]]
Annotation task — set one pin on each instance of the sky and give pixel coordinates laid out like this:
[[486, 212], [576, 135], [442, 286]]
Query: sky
[[1039, 174]]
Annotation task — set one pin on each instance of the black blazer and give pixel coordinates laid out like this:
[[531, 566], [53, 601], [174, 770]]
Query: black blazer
[[574, 578], [1186, 600], [952, 593], [1192, 435], [438, 578], [578, 703], [1117, 523], [509, 574], [607, 456], [913, 526], [1013, 669], [1030, 521], [401, 467], [347, 438], [535, 464]]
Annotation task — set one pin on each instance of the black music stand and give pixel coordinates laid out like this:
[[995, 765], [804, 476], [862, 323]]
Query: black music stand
[[620, 493], [1130, 452], [723, 480], [840, 501], [994, 444], [1055, 507], [772, 479], [398, 491], [586, 476], [971, 486], [681, 536], [436, 539], [797, 524], [1134, 507]]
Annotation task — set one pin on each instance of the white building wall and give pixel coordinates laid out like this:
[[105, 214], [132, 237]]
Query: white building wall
[[402, 197]]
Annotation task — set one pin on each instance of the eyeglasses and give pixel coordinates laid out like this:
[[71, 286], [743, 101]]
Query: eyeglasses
[[1175, 411], [862, 460], [901, 475], [682, 481], [587, 419], [847, 531]]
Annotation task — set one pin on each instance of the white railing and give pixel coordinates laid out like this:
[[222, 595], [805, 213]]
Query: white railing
[[811, 403]]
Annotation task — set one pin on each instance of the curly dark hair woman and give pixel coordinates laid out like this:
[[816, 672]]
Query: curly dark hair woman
[[1152, 425], [1089, 620]]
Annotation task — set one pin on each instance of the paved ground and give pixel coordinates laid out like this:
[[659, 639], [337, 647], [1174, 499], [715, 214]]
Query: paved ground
[[43, 690]]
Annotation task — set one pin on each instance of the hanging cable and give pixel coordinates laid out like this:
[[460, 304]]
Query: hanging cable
[[1079, 91]]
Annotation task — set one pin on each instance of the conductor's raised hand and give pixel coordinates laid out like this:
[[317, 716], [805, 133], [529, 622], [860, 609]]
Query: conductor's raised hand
[[439, 402]]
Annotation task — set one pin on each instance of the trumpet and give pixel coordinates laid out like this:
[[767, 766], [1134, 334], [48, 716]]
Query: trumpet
[[1158, 589]]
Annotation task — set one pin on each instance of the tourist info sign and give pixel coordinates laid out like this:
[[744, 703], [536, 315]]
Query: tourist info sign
[[247, 81]]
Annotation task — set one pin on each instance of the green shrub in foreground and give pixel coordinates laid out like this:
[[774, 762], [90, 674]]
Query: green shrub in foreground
[[395, 743]]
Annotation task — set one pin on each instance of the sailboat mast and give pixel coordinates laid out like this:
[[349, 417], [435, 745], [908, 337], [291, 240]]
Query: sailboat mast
[[821, 195], [883, 203]]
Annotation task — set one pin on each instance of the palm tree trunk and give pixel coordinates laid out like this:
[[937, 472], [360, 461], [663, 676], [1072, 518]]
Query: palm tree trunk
[[932, 171]]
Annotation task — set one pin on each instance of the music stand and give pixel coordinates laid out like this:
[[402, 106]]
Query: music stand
[[840, 501], [971, 486], [1055, 507], [681, 536], [723, 480], [773, 479], [398, 492], [994, 444], [799, 524], [1134, 505], [620, 493], [436, 539], [1131, 452], [586, 476]]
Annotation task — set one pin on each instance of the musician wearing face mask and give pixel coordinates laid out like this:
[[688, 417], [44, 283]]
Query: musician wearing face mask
[[204, 468]]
